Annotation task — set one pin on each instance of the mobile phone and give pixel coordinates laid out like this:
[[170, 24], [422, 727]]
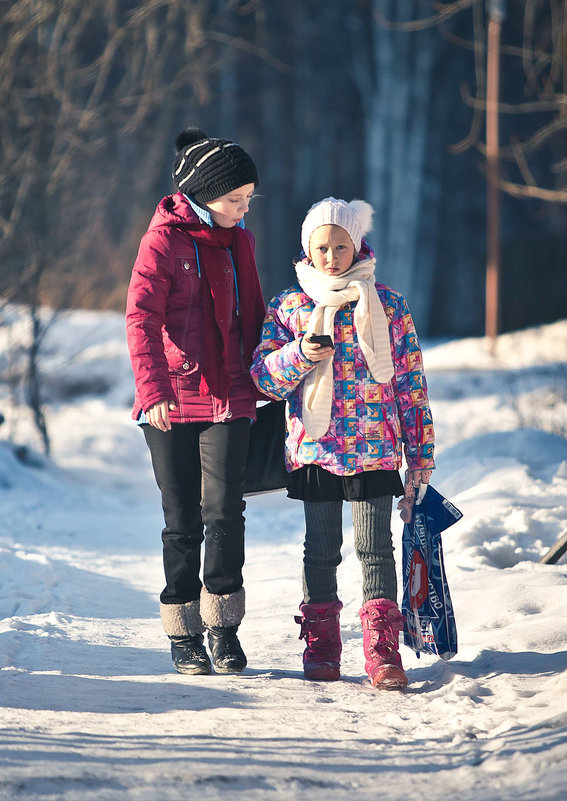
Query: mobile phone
[[322, 339]]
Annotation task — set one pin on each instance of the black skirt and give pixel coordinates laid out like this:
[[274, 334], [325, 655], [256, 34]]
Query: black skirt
[[314, 484]]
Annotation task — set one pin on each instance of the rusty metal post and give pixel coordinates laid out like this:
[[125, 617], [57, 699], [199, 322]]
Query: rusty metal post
[[492, 314]]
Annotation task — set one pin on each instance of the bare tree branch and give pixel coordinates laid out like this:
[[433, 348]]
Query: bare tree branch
[[542, 52], [537, 192], [558, 103], [81, 83], [446, 11]]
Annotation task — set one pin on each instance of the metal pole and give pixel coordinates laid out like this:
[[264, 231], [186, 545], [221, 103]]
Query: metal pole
[[496, 15]]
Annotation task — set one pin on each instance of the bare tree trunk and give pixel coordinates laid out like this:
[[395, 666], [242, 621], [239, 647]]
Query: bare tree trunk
[[304, 116], [34, 393], [397, 133], [228, 89], [275, 160]]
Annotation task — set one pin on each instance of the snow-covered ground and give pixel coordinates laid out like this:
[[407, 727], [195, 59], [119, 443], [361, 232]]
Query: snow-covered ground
[[90, 708]]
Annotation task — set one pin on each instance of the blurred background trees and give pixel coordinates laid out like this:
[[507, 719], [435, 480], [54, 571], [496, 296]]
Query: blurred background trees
[[380, 99]]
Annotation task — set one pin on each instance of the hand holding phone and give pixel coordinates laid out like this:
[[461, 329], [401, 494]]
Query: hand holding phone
[[322, 339], [317, 347]]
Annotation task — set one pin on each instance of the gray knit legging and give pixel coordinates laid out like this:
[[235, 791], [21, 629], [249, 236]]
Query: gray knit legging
[[372, 543]]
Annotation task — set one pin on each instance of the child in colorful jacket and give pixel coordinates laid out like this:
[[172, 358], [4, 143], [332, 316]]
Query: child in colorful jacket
[[353, 404]]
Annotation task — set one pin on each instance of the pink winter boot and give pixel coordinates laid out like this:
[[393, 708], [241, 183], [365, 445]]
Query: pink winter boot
[[321, 630], [382, 622]]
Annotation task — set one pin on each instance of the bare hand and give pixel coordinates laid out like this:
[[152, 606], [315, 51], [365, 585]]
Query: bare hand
[[413, 479], [158, 415], [314, 351], [416, 477]]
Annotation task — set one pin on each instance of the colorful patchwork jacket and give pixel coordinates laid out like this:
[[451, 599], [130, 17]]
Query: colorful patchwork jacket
[[369, 421]]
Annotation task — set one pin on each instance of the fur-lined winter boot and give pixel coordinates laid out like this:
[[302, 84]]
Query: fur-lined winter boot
[[222, 614], [320, 628], [382, 622], [183, 625]]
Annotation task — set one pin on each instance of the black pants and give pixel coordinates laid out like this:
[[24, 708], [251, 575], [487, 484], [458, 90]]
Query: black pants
[[199, 468]]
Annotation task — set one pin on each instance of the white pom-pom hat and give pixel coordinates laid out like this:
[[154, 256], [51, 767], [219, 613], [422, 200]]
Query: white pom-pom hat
[[355, 217]]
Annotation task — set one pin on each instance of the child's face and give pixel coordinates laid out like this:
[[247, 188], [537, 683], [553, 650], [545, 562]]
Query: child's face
[[331, 250], [228, 210]]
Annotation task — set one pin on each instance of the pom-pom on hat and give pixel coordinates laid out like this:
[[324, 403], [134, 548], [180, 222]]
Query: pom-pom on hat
[[206, 168], [355, 217]]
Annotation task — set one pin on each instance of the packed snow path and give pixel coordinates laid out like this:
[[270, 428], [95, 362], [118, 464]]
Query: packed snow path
[[90, 706]]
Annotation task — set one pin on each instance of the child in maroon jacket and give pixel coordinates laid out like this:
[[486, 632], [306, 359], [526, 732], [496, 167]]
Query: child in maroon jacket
[[194, 314]]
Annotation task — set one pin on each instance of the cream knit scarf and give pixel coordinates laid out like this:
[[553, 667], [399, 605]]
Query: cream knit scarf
[[329, 293]]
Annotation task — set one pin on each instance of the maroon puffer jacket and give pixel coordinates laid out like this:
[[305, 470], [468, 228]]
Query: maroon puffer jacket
[[165, 323]]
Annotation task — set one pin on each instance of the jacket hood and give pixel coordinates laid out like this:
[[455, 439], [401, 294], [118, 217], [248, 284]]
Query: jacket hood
[[174, 210]]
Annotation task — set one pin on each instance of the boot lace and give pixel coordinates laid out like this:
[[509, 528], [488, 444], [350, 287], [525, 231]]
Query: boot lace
[[383, 630], [318, 632]]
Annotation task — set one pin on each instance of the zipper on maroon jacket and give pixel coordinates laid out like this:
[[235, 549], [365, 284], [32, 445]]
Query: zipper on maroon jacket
[[235, 282]]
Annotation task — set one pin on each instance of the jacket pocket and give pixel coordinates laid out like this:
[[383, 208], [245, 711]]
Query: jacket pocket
[[188, 294], [186, 370], [393, 425], [188, 275]]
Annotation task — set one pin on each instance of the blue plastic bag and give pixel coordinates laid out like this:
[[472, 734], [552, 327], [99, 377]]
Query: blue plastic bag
[[430, 622]]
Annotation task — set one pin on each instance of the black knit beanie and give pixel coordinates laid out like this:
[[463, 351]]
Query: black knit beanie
[[206, 168]]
